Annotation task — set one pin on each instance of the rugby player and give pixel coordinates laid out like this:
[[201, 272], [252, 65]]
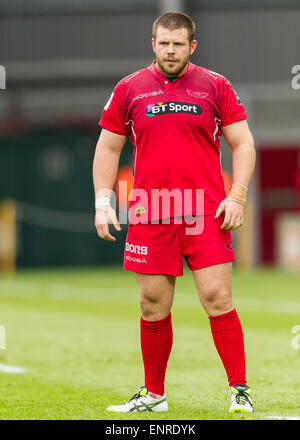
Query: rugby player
[[175, 113]]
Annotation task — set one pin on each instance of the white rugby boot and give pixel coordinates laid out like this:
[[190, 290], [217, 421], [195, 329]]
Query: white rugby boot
[[142, 402], [240, 399]]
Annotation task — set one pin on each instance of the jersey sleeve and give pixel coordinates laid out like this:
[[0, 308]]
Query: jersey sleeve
[[113, 116], [231, 109]]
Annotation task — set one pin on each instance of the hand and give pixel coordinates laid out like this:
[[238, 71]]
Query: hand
[[234, 214], [104, 216]]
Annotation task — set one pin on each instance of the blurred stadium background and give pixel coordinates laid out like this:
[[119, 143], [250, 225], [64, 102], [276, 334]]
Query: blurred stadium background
[[62, 60]]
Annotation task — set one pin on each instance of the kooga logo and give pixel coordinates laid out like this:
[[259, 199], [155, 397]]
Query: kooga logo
[[162, 108]]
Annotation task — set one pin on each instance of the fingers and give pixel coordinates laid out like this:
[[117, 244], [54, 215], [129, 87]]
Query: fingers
[[103, 217], [234, 216], [232, 222], [238, 223], [220, 209], [103, 232], [227, 220], [114, 220]]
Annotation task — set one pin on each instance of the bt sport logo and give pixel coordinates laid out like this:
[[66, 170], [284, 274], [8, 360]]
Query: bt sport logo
[[162, 108]]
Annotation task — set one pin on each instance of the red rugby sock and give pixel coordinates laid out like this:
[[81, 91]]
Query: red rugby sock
[[229, 341], [156, 344]]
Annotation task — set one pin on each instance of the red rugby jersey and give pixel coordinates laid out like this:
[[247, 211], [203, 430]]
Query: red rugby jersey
[[175, 129]]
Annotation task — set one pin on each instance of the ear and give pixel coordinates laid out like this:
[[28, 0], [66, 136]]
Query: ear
[[193, 47], [153, 45]]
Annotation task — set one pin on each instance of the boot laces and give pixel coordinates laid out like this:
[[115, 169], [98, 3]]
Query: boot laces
[[242, 397]]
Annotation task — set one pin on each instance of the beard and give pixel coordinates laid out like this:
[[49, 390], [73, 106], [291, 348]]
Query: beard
[[172, 69]]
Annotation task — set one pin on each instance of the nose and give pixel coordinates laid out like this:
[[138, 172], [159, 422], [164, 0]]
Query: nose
[[170, 48]]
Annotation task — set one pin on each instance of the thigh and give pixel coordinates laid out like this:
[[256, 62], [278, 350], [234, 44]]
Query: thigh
[[156, 288], [213, 278]]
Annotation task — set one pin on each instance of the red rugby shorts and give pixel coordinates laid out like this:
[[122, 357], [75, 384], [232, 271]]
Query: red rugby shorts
[[160, 248]]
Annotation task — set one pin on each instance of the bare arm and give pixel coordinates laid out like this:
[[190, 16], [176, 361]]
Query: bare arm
[[106, 162], [105, 169], [241, 143]]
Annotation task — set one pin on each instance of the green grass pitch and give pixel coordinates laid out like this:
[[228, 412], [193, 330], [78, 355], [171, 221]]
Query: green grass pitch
[[76, 332]]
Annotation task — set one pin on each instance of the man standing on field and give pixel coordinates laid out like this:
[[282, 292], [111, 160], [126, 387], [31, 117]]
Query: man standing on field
[[175, 113]]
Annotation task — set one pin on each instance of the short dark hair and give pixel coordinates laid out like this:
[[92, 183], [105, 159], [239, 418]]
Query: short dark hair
[[175, 20]]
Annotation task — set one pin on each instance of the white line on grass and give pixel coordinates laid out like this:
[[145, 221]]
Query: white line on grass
[[283, 417], [11, 369]]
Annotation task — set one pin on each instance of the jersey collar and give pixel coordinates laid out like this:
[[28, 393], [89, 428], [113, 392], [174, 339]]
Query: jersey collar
[[157, 72]]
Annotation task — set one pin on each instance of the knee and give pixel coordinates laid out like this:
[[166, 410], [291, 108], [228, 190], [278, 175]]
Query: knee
[[218, 299], [148, 304], [148, 296], [151, 306]]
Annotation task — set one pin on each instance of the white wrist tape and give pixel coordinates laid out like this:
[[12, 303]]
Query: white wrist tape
[[235, 200], [240, 184], [102, 201]]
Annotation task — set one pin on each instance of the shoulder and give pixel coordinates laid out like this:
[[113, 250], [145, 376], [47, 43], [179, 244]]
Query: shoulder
[[127, 86], [132, 79], [211, 76]]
